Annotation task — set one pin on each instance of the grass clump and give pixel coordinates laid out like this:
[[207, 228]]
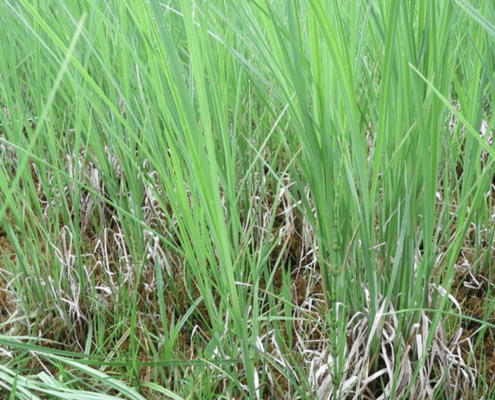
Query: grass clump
[[246, 199]]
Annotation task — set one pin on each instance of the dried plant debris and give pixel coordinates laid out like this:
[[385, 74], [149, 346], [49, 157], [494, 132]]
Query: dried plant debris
[[427, 361]]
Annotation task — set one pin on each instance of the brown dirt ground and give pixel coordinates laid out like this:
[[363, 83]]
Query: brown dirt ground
[[474, 300]]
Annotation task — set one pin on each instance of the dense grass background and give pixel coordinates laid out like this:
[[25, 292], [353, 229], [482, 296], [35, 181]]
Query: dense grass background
[[243, 199]]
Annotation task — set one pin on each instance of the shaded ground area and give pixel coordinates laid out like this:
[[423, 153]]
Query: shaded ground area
[[289, 265], [475, 296]]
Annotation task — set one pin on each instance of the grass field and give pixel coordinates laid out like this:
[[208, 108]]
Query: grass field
[[247, 199]]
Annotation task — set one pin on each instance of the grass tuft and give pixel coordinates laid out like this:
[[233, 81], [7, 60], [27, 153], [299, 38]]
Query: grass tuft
[[246, 199]]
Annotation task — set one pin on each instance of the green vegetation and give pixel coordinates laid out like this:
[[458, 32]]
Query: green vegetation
[[246, 199]]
